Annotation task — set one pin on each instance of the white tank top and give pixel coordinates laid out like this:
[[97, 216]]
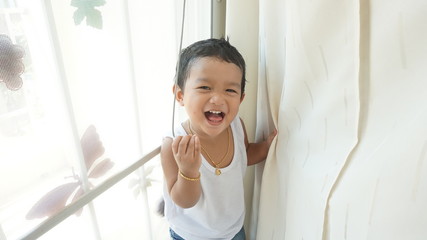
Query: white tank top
[[220, 211]]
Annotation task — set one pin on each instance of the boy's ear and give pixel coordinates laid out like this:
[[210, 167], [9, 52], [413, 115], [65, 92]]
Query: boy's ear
[[179, 94], [242, 97]]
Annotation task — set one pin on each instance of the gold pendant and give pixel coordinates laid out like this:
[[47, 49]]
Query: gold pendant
[[217, 172]]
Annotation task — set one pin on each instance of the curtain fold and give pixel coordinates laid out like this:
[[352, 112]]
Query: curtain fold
[[270, 80], [317, 117], [242, 16], [382, 194]]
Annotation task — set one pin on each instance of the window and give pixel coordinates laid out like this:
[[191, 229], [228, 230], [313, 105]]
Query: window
[[81, 83]]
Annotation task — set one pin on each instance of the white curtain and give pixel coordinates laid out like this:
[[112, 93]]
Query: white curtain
[[345, 84]]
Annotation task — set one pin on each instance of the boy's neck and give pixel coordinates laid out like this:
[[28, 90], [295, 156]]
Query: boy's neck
[[204, 138]]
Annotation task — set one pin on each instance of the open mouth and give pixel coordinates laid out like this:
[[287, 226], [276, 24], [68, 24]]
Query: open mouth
[[214, 116]]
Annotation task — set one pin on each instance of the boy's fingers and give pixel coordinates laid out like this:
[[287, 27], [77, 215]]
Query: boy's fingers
[[190, 146], [183, 144], [196, 146], [272, 135]]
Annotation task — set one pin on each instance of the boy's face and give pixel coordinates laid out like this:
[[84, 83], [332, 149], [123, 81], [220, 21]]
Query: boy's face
[[212, 95]]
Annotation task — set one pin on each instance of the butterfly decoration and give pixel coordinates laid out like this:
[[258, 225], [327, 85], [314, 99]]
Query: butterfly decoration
[[11, 66], [140, 181], [56, 199], [87, 9]]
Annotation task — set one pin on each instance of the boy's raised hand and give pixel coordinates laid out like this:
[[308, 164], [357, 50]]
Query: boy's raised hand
[[186, 151], [271, 137]]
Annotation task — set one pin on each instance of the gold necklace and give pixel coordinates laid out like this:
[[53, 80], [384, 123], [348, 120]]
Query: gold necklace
[[217, 165]]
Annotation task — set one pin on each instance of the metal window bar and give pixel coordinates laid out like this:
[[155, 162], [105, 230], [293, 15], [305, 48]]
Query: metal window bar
[[87, 198]]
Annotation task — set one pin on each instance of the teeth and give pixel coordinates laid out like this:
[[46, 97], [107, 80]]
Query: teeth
[[215, 112]]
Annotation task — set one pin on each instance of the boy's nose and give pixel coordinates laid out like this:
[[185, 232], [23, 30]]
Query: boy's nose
[[216, 99]]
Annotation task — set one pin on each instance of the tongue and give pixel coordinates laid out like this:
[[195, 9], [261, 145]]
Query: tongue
[[213, 117]]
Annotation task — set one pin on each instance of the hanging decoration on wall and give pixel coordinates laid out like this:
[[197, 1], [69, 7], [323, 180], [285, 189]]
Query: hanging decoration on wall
[[11, 66], [87, 9]]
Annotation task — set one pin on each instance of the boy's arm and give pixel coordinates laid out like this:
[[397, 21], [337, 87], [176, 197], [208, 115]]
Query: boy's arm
[[257, 152], [184, 190]]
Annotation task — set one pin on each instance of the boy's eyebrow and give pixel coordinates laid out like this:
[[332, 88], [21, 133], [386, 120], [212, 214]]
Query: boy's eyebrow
[[200, 80], [205, 80], [237, 85]]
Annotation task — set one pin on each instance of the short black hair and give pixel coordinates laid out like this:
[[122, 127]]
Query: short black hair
[[218, 48]]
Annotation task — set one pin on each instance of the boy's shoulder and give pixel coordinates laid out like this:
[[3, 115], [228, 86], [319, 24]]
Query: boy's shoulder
[[178, 130]]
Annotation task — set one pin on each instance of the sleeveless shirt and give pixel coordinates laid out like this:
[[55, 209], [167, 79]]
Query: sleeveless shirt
[[220, 211]]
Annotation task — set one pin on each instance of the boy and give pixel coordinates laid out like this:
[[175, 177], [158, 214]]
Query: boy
[[204, 165]]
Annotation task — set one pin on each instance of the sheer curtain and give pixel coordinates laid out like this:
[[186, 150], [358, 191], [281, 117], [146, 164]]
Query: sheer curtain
[[96, 75], [344, 83]]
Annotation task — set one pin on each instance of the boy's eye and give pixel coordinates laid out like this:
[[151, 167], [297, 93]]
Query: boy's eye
[[204, 87], [231, 90]]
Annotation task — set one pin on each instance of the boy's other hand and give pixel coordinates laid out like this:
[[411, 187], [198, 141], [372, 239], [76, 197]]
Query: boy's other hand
[[271, 137]]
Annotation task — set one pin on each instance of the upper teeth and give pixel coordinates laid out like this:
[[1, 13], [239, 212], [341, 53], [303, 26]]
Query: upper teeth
[[215, 112]]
